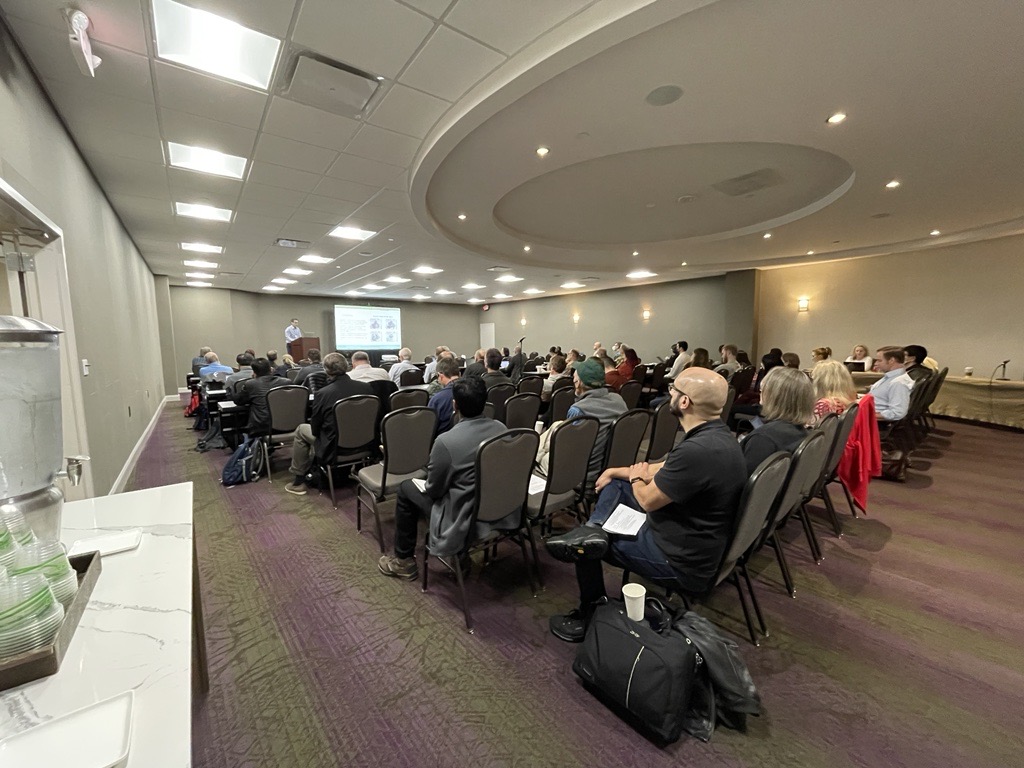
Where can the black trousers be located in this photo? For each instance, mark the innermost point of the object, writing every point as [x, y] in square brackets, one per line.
[412, 504]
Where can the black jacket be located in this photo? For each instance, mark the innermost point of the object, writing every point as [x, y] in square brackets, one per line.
[325, 428]
[515, 367]
[253, 392]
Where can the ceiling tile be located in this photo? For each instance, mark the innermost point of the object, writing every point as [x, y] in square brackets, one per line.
[184, 128]
[79, 108]
[271, 18]
[117, 22]
[308, 216]
[408, 111]
[435, 8]
[294, 154]
[308, 124]
[339, 209]
[391, 200]
[196, 93]
[118, 175]
[101, 138]
[340, 189]
[386, 146]
[450, 64]
[279, 176]
[505, 24]
[377, 36]
[364, 171]
[251, 223]
[303, 230]
[271, 201]
[190, 186]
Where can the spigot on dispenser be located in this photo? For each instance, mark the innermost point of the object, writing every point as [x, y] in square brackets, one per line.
[74, 470]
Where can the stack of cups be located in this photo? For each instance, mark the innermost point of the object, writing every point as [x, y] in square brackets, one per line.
[18, 526]
[30, 615]
[48, 559]
[8, 546]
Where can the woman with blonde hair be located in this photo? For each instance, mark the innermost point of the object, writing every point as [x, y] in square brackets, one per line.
[860, 355]
[833, 388]
[787, 405]
[287, 364]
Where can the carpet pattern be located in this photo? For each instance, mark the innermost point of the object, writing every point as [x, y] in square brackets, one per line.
[903, 648]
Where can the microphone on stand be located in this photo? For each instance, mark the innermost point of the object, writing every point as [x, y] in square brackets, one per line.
[1003, 377]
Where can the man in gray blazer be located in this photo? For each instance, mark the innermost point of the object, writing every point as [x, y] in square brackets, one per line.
[447, 500]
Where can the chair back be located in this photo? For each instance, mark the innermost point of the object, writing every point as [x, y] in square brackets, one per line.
[808, 459]
[730, 398]
[195, 369]
[410, 377]
[534, 384]
[846, 422]
[408, 398]
[521, 410]
[936, 382]
[219, 377]
[561, 400]
[624, 438]
[639, 373]
[316, 380]
[756, 504]
[497, 396]
[503, 467]
[741, 380]
[569, 454]
[630, 392]
[561, 382]
[829, 427]
[531, 365]
[287, 405]
[663, 434]
[407, 435]
[658, 377]
[356, 417]
[291, 373]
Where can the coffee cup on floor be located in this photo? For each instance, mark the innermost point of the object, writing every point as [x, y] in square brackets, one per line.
[635, 597]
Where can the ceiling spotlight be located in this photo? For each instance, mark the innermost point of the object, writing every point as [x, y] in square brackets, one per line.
[462, 217]
[425, 270]
[542, 151]
[202, 248]
[892, 184]
[502, 296]
[682, 264]
[199, 275]
[640, 274]
[394, 279]
[533, 291]
[636, 253]
[934, 232]
[273, 288]
[837, 118]
[420, 296]
[312, 258]
[297, 271]
[283, 281]
[810, 253]
[508, 279]
[352, 233]
[472, 286]
[354, 293]
[373, 287]
[475, 300]
[767, 235]
[526, 248]
[198, 284]
[200, 264]
[443, 292]
[572, 284]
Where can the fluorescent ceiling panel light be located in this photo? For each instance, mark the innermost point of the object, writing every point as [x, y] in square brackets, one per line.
[640, 274]
[443, 292]
[533, 291]
[199, 275]
[354, 293]
[202, 248]
[205, 160]
[372, 287]
[297, 271]
[207, 42]
[502, 296]
[508, 279]
[283, 281]
[572, 285]
[312, 258]
[396, 279]
[273, 288]
[199, 211]
[420, 296]
[472, 286]
[425, 270]
[198, 284]
[199, 263]
[352, 233]
[475, 300]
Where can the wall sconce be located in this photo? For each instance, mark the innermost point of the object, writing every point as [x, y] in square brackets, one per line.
[575, 318]
[646, 314]
[802, 305]
[522, 321]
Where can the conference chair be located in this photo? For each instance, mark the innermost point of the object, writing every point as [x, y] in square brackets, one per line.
[534, 384]
[742, 380]
[503, 468]
[936, 381]
[287, 405]
[624, 438]
[561, 400]
[315, 381]
[830, 475]
[630, 392]
[497, 396]
[730, 398]
[639, 373]
[408, 398]
[657, 385]
[663, 433]
[407, 435]
[569, 451]
[521, 411]
[291, 373]
[760, 495]
[410, 378]
[562, 382]
[356, 419]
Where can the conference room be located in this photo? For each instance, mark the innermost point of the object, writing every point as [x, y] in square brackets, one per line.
[476, 174]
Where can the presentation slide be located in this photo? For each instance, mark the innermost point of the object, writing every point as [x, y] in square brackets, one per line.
[367, 328]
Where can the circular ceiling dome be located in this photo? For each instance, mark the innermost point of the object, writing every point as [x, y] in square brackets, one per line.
[728, 188]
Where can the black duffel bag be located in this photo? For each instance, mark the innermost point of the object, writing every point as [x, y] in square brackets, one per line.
[650, 673]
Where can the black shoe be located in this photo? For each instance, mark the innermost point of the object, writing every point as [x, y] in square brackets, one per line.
[569, 627]
[582, 543]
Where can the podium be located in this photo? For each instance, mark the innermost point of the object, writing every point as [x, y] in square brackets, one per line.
[301, 347]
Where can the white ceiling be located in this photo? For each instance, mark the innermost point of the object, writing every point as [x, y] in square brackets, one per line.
[472, 87]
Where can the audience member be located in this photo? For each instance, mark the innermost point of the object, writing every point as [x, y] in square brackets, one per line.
[629, 361]
[251, 353]
[436, 386]
[213, 365]
[200, 360]
[363, 371]
[597, 346]
[892, 391]
[833, 388]
[244, 372]
[253, 392]
[272, 358]
[574, 356]
[494, 375]
[691, 500]
[730, 366]
[515, 365]
[820, 353]
[314, 366]
[430, 372]
[914, 356]
[551, 353]
[617, 354]
[593, 399]
[791, 360]
[860, 355]
[478, 367]
[787, 407]
[700, 359]
[684, 357]
[287, 364]
[448, 498]
[556, 371]
[613, 378]
[319, 438]
[404, 364]
[441, 402]
[744, 360]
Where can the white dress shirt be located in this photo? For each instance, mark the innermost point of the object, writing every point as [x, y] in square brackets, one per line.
[291, 333]
[367, 372]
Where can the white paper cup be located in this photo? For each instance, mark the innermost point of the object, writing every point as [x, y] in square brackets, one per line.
[539, 427]
[634, 595]
[968, 371]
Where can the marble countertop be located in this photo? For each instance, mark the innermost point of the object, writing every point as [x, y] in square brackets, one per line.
[136, 632]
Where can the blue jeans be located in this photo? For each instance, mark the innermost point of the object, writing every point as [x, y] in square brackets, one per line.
[640, 555]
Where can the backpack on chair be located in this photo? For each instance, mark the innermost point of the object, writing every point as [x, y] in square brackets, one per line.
[245, 464]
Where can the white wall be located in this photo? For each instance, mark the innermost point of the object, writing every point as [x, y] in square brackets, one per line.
[963, 303]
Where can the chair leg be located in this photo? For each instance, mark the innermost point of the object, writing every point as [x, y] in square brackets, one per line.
[330, 484]
[376, 520]
[746, 611]
[854, 506]
[536, 560]
[266, 459]
[830, 508]
[426, 564]
[787, 577]
[753, 599]
[812, 538]
[462, 591]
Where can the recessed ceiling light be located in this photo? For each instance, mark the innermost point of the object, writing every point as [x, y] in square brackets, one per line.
[200, 211]
[443, 292]
[420, 297]
[682, 264]
[837, 118]
[472, 286]
[297, 271]
[542, 151]
[934, 232]
[198, 284]
[502, 296]
[507, 279]
[425, 270]
[373, 287]
[205, 160]
[207, 42]
[640, 274]
[810, 253]
[892, 184]
[354, 293]
[352, 233]
[636, 253]
[533, 291]
[572, 285]
[395, 279]
[199, 275]
[767, 235]
[283, 281]
[462, 217]
[312, 258]
[202, 248]
[526, 248]
[475, 300]
[273, 288]
[200, 264]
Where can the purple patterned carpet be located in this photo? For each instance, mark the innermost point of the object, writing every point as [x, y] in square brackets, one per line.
[903, 648]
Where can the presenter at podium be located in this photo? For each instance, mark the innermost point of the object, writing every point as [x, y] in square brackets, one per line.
[291, 333]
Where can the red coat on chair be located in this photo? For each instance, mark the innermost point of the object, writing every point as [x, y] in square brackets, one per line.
[862, 458]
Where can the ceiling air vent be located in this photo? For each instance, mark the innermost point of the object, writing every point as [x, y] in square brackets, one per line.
[499, 269]
[749, 183]
[330, 85]
[284, 242]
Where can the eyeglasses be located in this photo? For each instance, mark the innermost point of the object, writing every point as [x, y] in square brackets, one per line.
[676, 389]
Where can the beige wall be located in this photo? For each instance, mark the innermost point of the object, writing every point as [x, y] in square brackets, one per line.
[231, 321]
[112, 293]
[961, 302]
